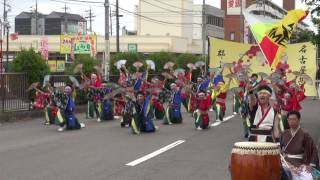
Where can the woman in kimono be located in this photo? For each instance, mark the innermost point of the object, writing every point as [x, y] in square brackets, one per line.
[94, 97]
[201, 114]
[299, 152]
[143, 116]
[220, 94]
[107, 106]
[158, 106]
[173, 111]
[66, 114]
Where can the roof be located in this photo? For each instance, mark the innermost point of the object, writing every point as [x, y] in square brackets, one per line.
[61, 15]
[28, 15]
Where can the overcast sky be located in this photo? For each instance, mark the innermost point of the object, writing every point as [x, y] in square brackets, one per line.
[46, 6]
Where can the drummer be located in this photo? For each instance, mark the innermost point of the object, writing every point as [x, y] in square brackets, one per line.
[264, 122]
[299, 150]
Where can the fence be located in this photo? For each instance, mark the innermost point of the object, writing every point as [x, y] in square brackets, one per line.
[13, 95]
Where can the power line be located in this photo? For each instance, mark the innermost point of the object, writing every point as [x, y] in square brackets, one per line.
[170, 5]
[164, 22]
[90, 17]
[83, 1]
[160, 7]
[76, 3]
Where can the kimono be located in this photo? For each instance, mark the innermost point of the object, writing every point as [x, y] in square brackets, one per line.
[201, 114]
[173, 111]
[291, 104]
[261, 124]
[107, 111]
[94, 97]
[66, 114]
[143, 118]
[298, 150]
[158, 108]
[238, 97]
[128, 113]
[221, 96]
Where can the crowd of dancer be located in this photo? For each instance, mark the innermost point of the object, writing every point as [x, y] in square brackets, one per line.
[267, 103]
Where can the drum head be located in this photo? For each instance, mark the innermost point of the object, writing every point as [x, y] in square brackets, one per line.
[257, 148]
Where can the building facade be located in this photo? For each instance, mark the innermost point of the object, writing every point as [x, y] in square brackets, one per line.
[55, 23]
[214, 22]
[180, 18]
[28, 23]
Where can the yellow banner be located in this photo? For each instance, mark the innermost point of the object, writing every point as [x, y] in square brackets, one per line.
[52, 65]
[80, 44]
[56, 65]
[301, 57]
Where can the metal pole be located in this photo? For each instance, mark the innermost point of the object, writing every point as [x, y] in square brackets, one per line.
[7, 53]
[36, 17]
[241, 22]
[111, 22]
[106, 59]
[4, 17]
[90, 19]
[117, 25]
[204, 34]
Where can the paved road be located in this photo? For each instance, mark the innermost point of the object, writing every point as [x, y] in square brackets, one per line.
[31, 151]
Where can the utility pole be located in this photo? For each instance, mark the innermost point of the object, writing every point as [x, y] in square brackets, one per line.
[241, 22]
[111, 22]
[36, 17]
[204, 34]
[106, 59]
[117, 24]
[65, 18]
[90, 17]
[4, 16]
[6, 30]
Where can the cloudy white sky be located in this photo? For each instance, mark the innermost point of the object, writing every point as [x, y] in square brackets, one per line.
[46, 6]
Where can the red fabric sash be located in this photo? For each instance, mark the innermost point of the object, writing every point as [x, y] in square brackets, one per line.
[264, 115]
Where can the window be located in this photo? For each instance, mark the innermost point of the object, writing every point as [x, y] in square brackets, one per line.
[232, 36]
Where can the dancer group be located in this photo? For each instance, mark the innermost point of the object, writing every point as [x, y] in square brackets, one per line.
[268, 104]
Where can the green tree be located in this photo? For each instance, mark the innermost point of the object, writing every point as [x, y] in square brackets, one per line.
[129, 56]
[314, 7]
[31, 63]
[161, 58]
[184, 59]
[88, 64]
[303, 36]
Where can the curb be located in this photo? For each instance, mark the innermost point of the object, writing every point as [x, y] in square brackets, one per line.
[28, 115]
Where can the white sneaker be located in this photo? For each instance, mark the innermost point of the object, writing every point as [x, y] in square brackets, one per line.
[211, 110]
[199, 128]
[127, 125]
[235, 113]
[156, 127]
[46, 123]
[82, 125]
[60, 129]
[98, 120]
[170, 123]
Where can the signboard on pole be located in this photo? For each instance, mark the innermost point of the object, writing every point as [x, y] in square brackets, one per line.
[133, 48]
[44, 47]
[234, 6]
[81, 44]
[56, 65]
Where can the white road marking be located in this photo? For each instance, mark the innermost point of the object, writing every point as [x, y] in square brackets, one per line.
[217, 123]
[155, 153]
